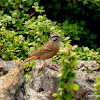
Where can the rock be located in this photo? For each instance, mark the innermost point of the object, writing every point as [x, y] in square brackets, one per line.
[11, 79]
[44, 79]
[86, 79]
[13, 86]
[86, 65]
[31, 94]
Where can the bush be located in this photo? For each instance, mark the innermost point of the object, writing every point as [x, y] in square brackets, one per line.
[84, 53]
[14, 13]
[80, 19]
[20, 32]
[16, 45]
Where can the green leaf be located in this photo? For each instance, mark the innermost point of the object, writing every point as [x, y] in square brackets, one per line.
[98, 79]
[77, 38]
[1, 12]
[74, 47]
[67, 61]
[59, 74]
[75, 87]
[54, 94]
[82, 22]
[93, 36]
[67, 96]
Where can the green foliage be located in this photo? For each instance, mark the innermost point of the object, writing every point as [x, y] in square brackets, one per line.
[98, 49]
[14, 13]
[97, 88]
[8, 44]
[40, 28]
[74, 31]
[80, 19]
[20, 44]
[67, 74]
[75, 6]
[37, 8]
[84, 53]
[20, 35]
[77, 32]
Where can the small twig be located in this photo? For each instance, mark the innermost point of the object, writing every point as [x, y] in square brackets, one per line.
[31, 14]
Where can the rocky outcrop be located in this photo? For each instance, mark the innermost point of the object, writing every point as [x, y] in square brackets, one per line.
[13, 86]
[85, 78]
[11, 80]
[44, 81]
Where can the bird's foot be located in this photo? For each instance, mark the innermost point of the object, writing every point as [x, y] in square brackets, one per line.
[53, 67]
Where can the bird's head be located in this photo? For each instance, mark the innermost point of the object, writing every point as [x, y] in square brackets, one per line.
[55, 37]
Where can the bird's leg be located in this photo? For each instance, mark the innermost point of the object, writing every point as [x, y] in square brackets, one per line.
[45, 63]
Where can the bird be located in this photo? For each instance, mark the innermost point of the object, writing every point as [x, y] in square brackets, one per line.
[48, 50]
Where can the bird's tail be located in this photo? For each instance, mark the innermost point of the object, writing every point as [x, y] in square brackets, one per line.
[33, 57]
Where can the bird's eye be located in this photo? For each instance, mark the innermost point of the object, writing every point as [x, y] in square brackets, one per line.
[54, 38]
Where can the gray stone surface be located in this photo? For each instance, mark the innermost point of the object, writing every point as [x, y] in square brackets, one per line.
[43, 81]
[13, 86]
[85, 78]
[11, 80]
[31, 94]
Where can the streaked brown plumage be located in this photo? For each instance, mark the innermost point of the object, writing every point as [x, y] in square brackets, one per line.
[48, 50]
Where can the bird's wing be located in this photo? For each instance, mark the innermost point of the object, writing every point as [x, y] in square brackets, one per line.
[48, 47]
